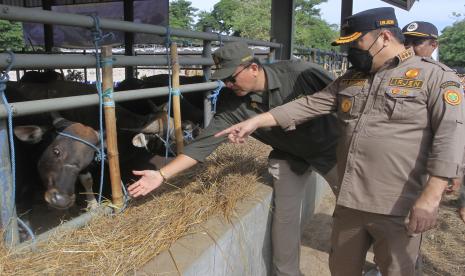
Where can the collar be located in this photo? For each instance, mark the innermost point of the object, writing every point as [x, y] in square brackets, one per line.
[272, 83]
[272, 80]
[398, 59]
[405, 55]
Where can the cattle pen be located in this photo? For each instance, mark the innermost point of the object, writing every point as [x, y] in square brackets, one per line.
[61, 61]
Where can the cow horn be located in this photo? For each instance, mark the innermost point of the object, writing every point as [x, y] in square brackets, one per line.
[140, 141]
[57, 118]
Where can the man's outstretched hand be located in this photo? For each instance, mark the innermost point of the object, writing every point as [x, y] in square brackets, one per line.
[238, 133]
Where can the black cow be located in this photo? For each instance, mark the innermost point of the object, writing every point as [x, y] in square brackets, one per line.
[191, 103]
[64, 158]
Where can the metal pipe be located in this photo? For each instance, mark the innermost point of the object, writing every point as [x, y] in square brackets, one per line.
[207, 104]
[48, 105]
[75, 223]
[128, 10]
[44, 61]
[58, 18]
[8, 220]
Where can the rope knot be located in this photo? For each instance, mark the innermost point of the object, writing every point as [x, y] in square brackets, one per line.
[215, 94]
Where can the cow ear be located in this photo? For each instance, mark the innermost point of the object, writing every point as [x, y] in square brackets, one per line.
[155, 109]
[140, 141]
[30, 134]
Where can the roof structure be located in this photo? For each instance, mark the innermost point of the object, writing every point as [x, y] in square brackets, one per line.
[38, 3]
[403, 4]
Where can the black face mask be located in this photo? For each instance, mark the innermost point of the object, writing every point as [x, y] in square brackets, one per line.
[362, 60]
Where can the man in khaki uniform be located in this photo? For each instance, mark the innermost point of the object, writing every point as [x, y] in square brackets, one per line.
[257, 89]
[422, 37]
[401, 118]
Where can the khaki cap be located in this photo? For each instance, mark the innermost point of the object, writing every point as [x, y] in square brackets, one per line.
[229, 57]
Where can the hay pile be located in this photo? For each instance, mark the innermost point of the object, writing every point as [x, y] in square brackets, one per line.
[118, 244]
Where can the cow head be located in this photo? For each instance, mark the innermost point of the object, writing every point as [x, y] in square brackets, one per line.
[62, 160]
[152, 141]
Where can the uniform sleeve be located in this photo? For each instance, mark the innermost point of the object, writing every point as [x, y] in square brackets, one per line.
[446, 109]
[306, 108]
[228, 113]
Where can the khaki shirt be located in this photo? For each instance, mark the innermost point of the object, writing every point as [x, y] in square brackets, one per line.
[310, 144]
[398, 125]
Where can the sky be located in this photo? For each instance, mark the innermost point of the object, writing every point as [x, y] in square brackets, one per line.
[437, 12]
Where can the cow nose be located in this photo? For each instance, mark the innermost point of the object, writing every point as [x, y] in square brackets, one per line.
[59, 200]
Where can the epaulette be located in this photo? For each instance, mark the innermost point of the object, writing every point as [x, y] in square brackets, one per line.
[443, 66]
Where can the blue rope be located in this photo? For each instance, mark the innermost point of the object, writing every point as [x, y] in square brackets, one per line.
[215, 94]
[98, 157]
[188, 136]
[4, 78]
[97, 37]
[170, 95]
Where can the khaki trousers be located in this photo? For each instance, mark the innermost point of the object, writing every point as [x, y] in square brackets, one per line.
[289, 191]
[355, 231]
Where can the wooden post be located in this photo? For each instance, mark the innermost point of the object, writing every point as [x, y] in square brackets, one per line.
[176, 99]
[110, 127]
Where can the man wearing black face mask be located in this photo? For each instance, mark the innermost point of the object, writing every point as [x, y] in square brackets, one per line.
[402, 126]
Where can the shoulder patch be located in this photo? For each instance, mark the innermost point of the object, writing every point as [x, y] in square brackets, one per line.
[353, 82]
[452, 97]
[449, 84]
[443, 66]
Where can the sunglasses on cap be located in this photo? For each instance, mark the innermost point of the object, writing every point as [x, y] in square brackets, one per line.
[232, 78]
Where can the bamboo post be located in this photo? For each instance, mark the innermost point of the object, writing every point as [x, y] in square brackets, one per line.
[110, 127]
[176, 99]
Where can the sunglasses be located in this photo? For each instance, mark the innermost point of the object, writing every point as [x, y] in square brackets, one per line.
[232, 78]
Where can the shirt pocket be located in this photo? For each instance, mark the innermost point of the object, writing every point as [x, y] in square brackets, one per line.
[403, 105]
[350, 104]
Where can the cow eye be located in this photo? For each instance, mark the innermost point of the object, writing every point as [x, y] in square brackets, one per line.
[56, 152]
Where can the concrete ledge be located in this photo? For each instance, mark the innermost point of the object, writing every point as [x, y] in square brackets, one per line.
[240, 247]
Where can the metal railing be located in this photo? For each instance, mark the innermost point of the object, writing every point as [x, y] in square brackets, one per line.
[44, 61]
[334, 62]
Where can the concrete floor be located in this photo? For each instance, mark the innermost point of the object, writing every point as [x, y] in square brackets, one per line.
[316, 240]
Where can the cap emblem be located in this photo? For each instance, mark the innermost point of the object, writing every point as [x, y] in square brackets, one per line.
[412, 26]
[247, 58]
[387, 22]
[346, 104]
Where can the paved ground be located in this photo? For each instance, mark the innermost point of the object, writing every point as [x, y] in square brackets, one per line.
[315, 240]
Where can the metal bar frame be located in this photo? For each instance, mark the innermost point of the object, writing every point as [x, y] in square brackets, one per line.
[75, 20]
[40, 61]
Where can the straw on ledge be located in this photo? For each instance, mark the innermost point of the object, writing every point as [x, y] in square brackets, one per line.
[117, 244]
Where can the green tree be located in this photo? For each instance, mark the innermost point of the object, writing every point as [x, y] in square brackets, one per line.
[220, 19]
[310, 29]
[181, 14]
[251, 18]
[11, 35]
[452, 44]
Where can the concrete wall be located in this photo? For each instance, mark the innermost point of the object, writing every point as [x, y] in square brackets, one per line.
[242, 247]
